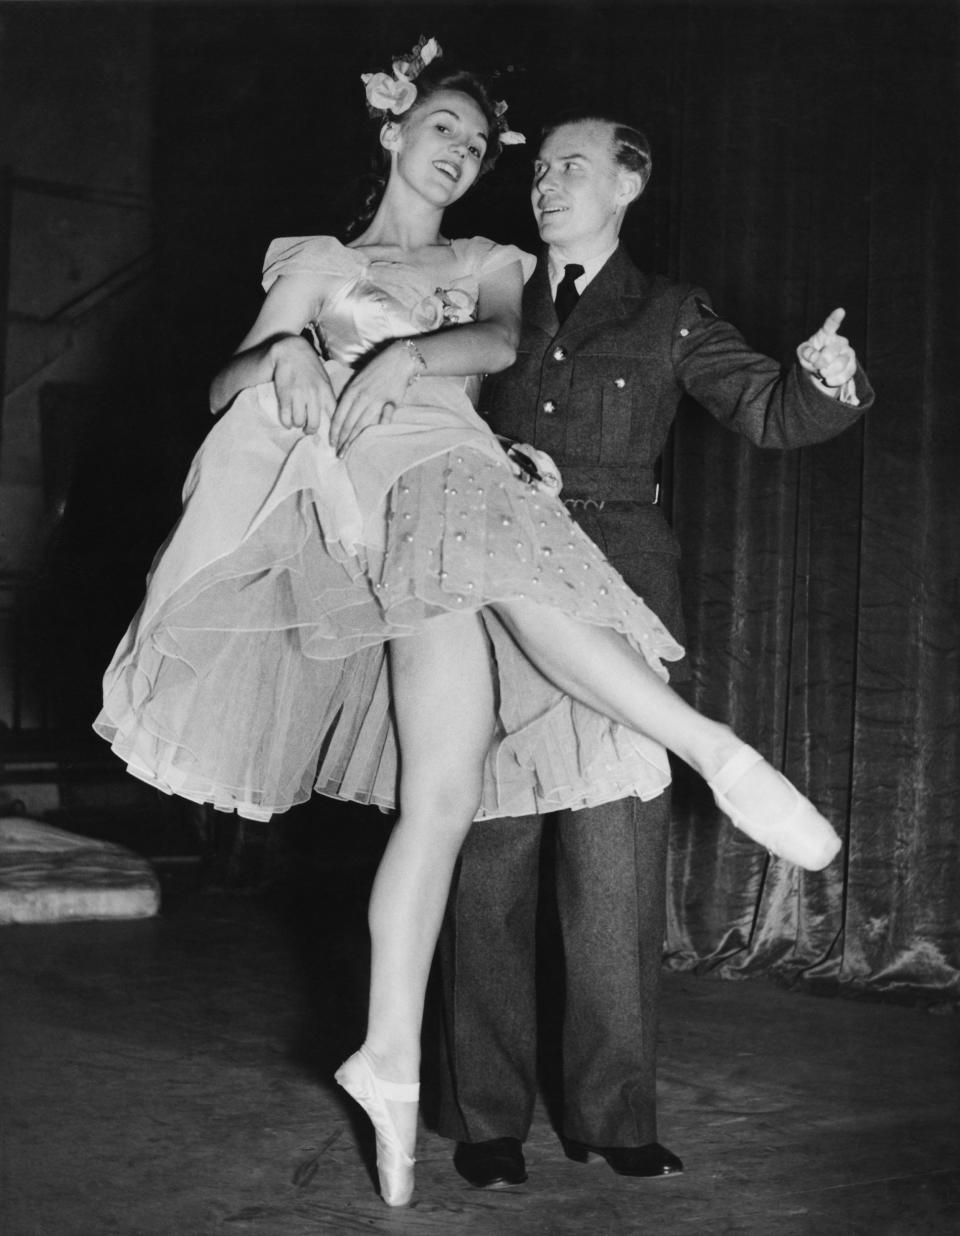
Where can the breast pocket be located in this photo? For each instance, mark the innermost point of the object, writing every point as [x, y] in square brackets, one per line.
[616, 403]
[599, 416]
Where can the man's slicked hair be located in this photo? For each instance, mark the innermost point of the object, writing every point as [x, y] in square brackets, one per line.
[631, 147]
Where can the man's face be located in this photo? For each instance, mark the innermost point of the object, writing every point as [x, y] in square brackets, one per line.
[577, 192]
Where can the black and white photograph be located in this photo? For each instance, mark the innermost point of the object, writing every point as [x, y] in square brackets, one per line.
[480, 617]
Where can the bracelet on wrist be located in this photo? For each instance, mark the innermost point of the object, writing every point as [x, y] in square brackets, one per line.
[419, 362]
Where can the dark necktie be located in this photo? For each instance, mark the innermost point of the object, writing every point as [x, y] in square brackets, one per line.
[567, 294]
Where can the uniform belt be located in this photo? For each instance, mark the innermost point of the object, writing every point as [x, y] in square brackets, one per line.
[598, 484]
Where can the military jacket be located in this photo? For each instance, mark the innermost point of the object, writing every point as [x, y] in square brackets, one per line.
[600, 392]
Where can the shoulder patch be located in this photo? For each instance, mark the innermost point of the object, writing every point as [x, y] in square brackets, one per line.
[706, 311]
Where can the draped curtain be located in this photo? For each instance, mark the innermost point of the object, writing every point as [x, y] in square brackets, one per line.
[820, 158]
[806, 156]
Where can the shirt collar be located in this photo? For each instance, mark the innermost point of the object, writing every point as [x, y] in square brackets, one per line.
[590, 269]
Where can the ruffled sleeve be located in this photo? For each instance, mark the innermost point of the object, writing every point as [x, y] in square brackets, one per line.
[308, 255]
[483, 257]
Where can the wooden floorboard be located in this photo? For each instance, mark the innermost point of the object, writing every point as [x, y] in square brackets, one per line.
[171, 1078]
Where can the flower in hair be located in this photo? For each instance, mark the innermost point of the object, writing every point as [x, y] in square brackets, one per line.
[426, 51]
[388, 94]
[396, 94]
[507, 136]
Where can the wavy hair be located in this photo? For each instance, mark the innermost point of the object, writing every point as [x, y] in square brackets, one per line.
[434, 78]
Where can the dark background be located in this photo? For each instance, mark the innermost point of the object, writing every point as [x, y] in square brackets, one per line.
[805, 156]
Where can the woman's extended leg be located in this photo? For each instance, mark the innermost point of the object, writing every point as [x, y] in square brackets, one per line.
[598, 666]
[443, 695]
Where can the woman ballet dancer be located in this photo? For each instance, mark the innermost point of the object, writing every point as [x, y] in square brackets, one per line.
[365, 596]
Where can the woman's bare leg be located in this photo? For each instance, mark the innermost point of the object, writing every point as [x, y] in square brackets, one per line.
[442, 685]
[598, 666]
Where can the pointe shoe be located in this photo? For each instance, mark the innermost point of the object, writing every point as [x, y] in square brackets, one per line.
[394, 1165]
[800, 835]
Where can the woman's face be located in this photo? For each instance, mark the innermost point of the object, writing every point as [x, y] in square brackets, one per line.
[440, 146]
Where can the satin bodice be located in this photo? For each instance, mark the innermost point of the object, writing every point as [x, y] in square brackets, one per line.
[367, 296]
[385, 299]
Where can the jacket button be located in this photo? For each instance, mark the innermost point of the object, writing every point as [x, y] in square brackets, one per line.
[549, 407]
[559, 353]
[619, 383]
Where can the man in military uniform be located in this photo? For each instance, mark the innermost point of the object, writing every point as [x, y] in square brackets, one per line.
[605, 355]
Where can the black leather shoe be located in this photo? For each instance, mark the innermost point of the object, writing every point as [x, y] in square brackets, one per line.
[649, 1160]
[491, 1164]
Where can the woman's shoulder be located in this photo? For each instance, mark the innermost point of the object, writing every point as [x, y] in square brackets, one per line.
[482, 256]
[308, 255]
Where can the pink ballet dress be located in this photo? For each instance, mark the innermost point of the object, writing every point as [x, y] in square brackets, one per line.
[255, 670]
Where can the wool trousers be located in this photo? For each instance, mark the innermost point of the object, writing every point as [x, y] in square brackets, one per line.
[608, 868]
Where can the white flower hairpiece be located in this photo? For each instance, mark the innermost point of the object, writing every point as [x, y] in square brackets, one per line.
[507, 136]
[397, 94]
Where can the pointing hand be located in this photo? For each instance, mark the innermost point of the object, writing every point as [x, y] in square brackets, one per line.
[827, 355]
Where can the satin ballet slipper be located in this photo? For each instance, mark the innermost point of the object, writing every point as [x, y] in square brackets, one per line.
[394, 1165]
[799, 834]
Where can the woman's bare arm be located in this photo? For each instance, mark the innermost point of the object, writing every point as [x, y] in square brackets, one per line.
[274, 351]
[485, 346]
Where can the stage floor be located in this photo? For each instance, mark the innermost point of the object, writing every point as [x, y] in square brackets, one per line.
[172, 1076]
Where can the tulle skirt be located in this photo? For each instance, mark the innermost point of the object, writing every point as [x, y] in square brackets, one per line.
[256, 669]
